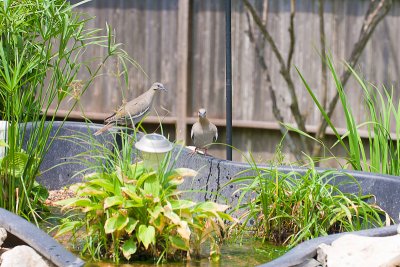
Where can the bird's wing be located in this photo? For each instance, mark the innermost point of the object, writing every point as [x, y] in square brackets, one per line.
[215, 130]
[192, 132]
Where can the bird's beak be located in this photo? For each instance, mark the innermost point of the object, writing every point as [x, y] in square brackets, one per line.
[164, 89]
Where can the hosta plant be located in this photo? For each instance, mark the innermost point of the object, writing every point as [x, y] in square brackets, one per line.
[139, 214]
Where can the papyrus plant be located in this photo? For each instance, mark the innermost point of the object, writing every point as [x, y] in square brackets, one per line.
[42, 51]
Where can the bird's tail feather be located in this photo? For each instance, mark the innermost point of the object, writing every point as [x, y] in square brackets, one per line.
[102, 130]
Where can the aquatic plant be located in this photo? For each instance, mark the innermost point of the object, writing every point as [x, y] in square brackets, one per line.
[290, 207]
[42, 46]
[135, 213]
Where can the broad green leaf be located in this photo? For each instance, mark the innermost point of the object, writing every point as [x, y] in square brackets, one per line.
[103, 183]
[155, 212]
[113, 201]
[68, 227]
[129, 190]
[129, 248]
[152, 186]
[92, 191]
[178, 243]
[175, 219]
[96, 207]
[184, 230]
[176, 176]
[116, 222]
[182, 204]
[226, 216]
[147, 235]
[131, 204]
[137, 169]
[14, 164]
[144, 177]
[131, 225]
[74, 202]
[210, 206]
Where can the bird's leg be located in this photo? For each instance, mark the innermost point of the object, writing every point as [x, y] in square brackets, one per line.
[193, 151]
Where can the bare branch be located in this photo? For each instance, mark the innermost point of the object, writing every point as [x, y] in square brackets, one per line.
[285, 72]
[324, 73]
[275, 109]
[291, 33]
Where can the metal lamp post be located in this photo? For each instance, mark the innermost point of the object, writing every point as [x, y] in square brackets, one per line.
[228, 67]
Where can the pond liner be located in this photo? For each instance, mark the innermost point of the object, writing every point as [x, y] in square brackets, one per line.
[22, 232]
[214, 173]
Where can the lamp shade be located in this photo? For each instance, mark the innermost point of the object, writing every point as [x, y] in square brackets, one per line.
[153, 148]
[153, 143]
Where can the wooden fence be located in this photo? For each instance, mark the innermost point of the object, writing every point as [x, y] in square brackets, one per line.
[181, 43]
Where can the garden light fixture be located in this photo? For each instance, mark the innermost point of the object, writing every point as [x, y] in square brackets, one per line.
[153, 148]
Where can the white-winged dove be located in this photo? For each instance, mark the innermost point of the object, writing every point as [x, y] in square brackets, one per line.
[134, 110]
[203, 132]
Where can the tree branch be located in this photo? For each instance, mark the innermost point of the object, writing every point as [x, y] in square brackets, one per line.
[324, 72]
[291, 33]
[285, 72]
[275, 110]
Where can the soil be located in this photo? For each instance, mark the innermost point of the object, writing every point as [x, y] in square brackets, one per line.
[57, 195]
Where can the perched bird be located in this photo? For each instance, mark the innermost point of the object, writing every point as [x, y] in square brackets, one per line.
[203, 132]
[133, 111]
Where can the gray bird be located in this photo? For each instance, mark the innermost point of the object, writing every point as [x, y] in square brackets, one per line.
[203, 132]
[134, 110]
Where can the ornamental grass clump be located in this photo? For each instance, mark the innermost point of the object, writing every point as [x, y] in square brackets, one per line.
[290, 207]
[382, 124]
[133, 213]
[43, 48]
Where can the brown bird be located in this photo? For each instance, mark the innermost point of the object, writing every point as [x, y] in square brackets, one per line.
[133, 111]
[203, 132]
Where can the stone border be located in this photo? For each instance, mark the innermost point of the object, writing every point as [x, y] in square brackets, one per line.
[32, 236]
[308, 249]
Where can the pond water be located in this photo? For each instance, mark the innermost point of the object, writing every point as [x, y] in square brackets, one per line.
[248, 253]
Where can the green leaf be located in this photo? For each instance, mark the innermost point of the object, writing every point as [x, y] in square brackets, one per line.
[144, 177]
[182, 204]
[3, 144]
[113, 201]
[74, 202]
[152, 186]
[68, 227]
[129, 248]
[129, 190]
[14, 163]
[178, 243]
[103, 183]
[175, 219]
[147, 235]
[127, 204]
[131, 225]
[210, 207]
[176, 176]
[116, 222]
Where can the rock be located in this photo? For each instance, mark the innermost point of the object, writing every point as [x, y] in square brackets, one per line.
[22, 256]
[3, 235]
[352, 250]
